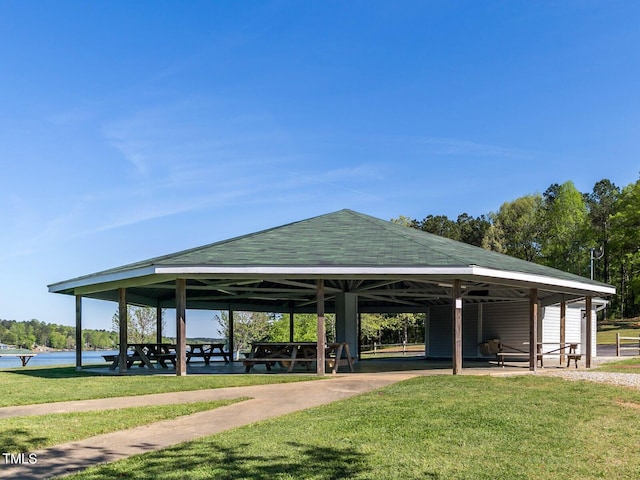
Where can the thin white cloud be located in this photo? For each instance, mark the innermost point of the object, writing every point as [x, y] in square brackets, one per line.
[454, 146]
[340, 178]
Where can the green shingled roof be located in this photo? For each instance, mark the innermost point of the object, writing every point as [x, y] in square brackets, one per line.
[345, 239]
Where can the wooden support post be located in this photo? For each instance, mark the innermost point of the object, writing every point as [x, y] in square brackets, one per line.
[158, 323]
[359, 336]
[457, 327]
[321, 333]
[181, 327]
[589, 332]
[563, 330]
[231, 340]
[533, 329]
[123, 321]
[617, 344]
[79, 341]
[291, 322]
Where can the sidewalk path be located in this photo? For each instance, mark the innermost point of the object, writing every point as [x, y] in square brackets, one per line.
[267, 401]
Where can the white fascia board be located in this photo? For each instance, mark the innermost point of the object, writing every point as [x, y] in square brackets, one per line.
[316, 271]
[544, 280]
[97, 279]
[459, 272]
[466, 272]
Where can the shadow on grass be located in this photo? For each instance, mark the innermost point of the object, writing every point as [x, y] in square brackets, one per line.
[17, 440]
[234, 462]
[53, 372]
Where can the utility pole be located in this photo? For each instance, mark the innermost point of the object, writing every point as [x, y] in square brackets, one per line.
[593, 256]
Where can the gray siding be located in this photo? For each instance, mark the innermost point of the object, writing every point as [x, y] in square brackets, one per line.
[441, 331]
[440, 334]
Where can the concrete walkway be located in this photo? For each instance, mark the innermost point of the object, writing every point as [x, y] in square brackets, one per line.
[267, 401]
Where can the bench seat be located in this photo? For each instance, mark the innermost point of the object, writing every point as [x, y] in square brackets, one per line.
[206, 356]
[540, 356]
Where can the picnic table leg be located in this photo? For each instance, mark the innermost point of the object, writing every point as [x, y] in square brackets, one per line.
[294, 353]
[143, 358]
[337, 359]
[349, 357]
[224, 354]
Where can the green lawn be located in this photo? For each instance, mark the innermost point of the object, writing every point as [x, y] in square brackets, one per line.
[438, 427]
[25, 434]
[626, 328]
[629, 365]
[25, 386]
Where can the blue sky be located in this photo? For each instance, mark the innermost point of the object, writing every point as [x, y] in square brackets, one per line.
[134, 129]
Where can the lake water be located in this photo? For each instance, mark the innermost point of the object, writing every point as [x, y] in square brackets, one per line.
[57, 358]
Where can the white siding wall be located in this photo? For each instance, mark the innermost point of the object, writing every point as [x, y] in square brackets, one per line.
[507, 321]
[551, 325]
[575, 327]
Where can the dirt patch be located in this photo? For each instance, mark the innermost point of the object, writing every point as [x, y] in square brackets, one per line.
[628, 404]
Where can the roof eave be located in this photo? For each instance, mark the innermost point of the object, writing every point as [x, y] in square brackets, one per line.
[156, 273]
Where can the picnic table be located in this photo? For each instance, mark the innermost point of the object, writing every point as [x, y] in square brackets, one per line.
[145, 354]
[287, 354]
[24, 357]
[567, 349]
[206, 351]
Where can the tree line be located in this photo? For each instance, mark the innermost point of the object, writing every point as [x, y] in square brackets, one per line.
[562, 228]
[34, 333]
[274, 327]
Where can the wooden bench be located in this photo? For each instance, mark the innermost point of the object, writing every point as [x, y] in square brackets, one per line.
[573, 356]
[566, 350]
[501, 356]
[162, 358]
[113, 359]
[268, 354]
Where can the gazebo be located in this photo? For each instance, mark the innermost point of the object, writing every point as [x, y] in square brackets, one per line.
[343, 262]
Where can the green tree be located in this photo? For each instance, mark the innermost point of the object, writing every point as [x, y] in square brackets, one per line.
[516, 228]
[305, 328]
[601, 203]
[100, 339]
[141, 324]
[406, 221]
[247, 327]
[57, 340]
[440, 225]
[565, 239]
[625, 243]
[472, 230]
